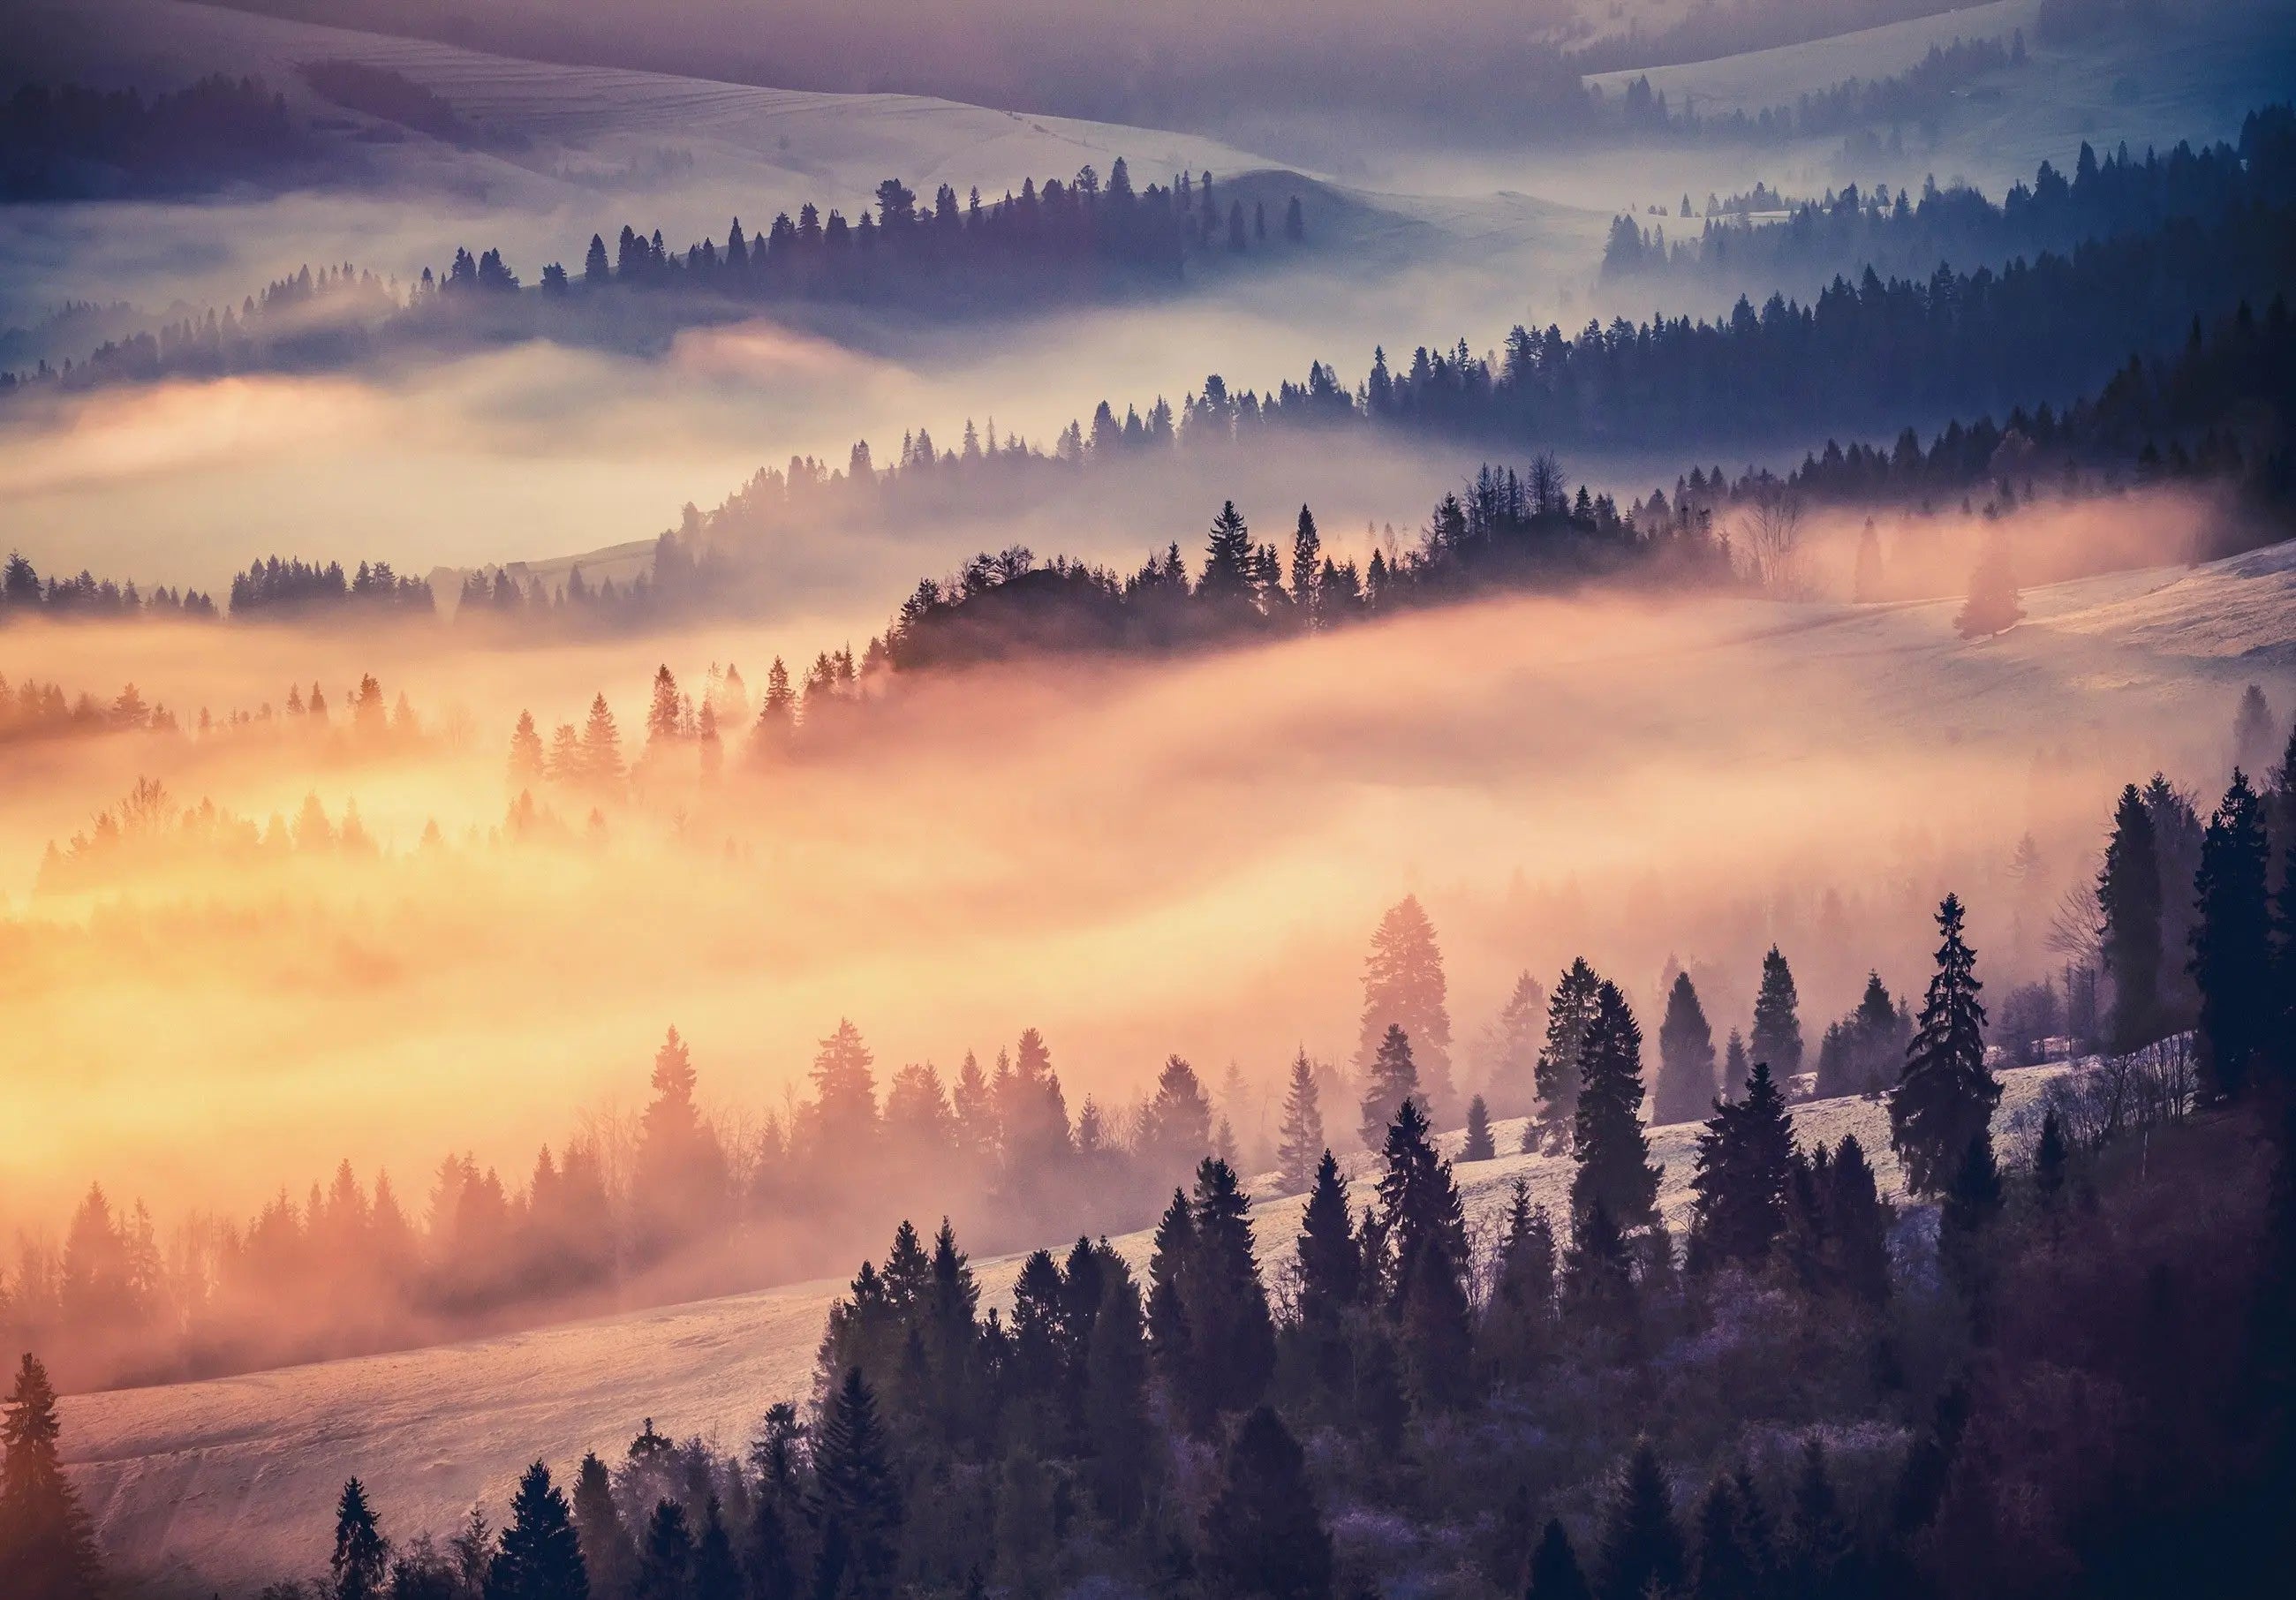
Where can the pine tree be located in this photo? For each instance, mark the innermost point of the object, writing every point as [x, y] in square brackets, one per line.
[1736, 1065]
[1641, 1545]
[1514, 1051]
[1228, 562]
[1570, 1012]
[1555, 1571]
[1478, 1146]
[1428, 1226]
[664, 719]
[1404, 986]
[1685, 1058]
[1740, 1182]
[1331, 1263]
[1824, 1565]
[608, 1552]
[666, 1555]
[1598, 1282]
[1946, 1095]
[1858, 1224]
[857, 1500]
[1392, 1080]
[1301, 1139]
[360, 1567]
[602, 747]
[1607, 1139]
[527, 766]
[1992, 607]
[46, 1545]
[1263, 1535]
[1725, 1568]
[1306, 566]
[2232, 943]
[1518, 1318]
[2129, 894]
[1169, 1265]
[1777, 1022]
[1117, 1424]
[541, 1557]
[1231, 1334]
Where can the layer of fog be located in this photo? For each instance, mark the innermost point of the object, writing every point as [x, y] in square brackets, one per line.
[1186, 856]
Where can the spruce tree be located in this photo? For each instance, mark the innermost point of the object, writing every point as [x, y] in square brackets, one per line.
[1685, 1058]
[1777, 1037]
[1607, 1138]
[1641, 1549]
[1740, 1181]
[1169, 1266]
[541, 1557]
[2232, 943]
[1306, 566]
[46, 1544]
[1514, 1050]
[1520, 1315]
[1858, 1224]
[1331, 1264]
[608, 1555]
[665, 1554]
[1428, 1226]
[1392, 1080]
[1569, 1013]
[1992, 604]
[717, 1572]
[360, 1567]
[1598, 1281]
[1555, 1571]
[1724, 1568]
[2129, 894]
[1404, 986]
[1231, 1331]
[1946, 1095]
[1477, 1146]
[1737, 1065]
[857, 1500]
[1263, 1536]
[1824, 1563]
[1117, 1426]
[1227, 583]
[1301, 1141]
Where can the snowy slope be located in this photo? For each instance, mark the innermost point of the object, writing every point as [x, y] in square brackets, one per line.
[237, 1477]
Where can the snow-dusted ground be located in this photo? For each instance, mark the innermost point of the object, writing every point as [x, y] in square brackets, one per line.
[237, 1478]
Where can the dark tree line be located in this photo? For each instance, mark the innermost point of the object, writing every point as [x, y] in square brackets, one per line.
[272, 588]
[1919, 94]
[1906, 235]
[1081, 241]
[1813, 1399]
[71, 142]
[24, 593]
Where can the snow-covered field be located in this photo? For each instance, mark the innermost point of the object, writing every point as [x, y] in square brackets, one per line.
[237, 1478]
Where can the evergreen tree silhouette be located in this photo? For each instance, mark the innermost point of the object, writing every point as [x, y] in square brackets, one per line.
[525, 759]
[1232, 1336]
[1555, 1571]
[1641, 1550]
[1478, 1146]
[1992, 607]
[1404, 986]
[1607, 1139]
[2129, 894]
[665, 1554]
[1824, 1559]
[1392, 1080]
[1518, 1318]
[1301, 1142]
[1263, 1535]
[360, 1567]
[541, 1557]
[1330, 1262]
[1428, 1227]
[2232, 943]
[1946, 1095]
[1306, 569]
[716, 1571]
[1686, 1057]
[46, 1544]
[1740, 1182]
[1229, 583]
[602, 747]
[1777, 1037]
[1569, 1013]
[609, 1554]
[1116, 1399]
[1972, 1200]
[1724, 1568]
[857, 1500]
